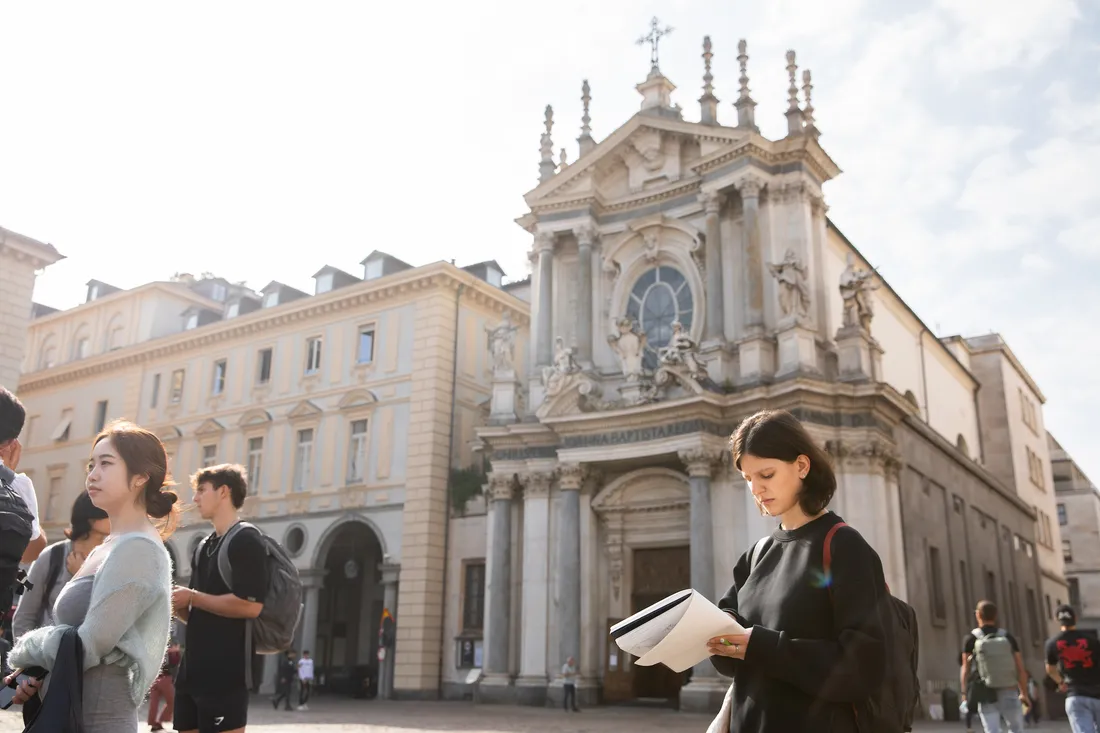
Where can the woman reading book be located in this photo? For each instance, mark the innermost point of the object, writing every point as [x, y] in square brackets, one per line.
[813, 650]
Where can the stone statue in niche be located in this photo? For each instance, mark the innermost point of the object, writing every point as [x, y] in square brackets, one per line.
[553, 376]
[628, 342]
[502, 344]
[682, 352]
[855, 291]
[794, 296]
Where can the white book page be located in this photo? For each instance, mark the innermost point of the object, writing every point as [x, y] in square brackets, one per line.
[678, 638]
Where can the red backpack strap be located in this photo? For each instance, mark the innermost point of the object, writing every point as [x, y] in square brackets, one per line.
[827, 561]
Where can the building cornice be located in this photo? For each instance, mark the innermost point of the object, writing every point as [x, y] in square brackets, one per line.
[23, 247]
[424, 279]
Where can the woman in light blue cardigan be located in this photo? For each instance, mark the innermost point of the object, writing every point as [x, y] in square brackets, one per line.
[120, 599]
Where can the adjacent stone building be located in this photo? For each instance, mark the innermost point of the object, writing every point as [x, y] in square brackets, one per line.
[1078, 511]
[21, 259]
[352, 407]
[685, 276]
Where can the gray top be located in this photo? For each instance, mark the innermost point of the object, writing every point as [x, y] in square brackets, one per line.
[73, 601]
[35, 609]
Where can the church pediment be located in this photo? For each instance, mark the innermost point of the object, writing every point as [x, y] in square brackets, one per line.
[254, 417]
[357, 398]
[304, 409]
[646, 154]
[210, 427]
[169, 434]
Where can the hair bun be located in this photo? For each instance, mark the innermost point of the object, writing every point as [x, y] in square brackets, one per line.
[159, 503]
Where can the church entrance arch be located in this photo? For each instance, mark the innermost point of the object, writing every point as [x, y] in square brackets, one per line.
[349, 609]
[645, 536]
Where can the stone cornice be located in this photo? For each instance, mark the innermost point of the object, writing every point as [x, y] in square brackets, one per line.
[23, 248]
[420, 280]
[178, 290]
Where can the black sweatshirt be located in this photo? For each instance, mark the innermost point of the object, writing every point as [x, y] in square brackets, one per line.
[814, 657]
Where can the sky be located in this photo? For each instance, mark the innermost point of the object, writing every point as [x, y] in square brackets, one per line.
[263, 140]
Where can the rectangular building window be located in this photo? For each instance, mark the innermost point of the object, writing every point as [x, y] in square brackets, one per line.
[939, 599]
[156, 391]
[1033, 616]
[1062, 519]
[62, 432]
[473, 597]
[964, 592]
[217, 385]
[53, 501]
[1074, 593]
[1067, 551]
[313, 355]
[100, 415]
[209, 455]
[1050, 609]
[175, 393]
[357, 452]
[303, 460]
[990, 587]
[255, 463]
[365, 353]
[263, 366]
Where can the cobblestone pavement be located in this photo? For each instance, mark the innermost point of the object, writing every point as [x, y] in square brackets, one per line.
[351, 716]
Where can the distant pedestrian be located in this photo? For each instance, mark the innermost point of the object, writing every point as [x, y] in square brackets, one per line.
[284, 682]
[569, 686]
[1003, 688]
[305, 680]
[1073, 662]
[164, 690]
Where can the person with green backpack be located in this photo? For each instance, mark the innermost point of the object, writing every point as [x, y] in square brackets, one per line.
[1001, 684]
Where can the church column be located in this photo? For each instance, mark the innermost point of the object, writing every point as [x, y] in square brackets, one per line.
[569, 564]
[705, 690]
[754, 257]
[500, 577]
[585, 236]
[544, 246]
[531, 684]
[390, 574]
[712, 202]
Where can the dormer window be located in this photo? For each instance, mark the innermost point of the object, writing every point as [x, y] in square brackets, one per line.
[373, 269]
[271, 299]
[218, 292]
[233, 310]
[493, 277]
[324, 283]
[93, 293]
[192, 321]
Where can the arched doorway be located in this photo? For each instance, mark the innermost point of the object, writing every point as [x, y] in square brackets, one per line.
[349, 611]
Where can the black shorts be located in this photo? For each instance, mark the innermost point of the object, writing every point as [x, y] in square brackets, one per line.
[211, 713]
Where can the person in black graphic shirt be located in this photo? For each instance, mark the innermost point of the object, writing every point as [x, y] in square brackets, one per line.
[211, 694]
[814, 647]
[1073, 662]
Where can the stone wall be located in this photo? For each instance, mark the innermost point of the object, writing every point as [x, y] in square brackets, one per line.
[16, 287]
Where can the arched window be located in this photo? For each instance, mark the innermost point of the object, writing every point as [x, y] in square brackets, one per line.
[47, 355]
[659, 298]
[115, 334]
[82, 344]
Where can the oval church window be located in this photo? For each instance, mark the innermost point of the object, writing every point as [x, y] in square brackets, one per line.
[659, 298]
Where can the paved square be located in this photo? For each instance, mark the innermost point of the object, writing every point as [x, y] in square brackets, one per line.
[369, 716]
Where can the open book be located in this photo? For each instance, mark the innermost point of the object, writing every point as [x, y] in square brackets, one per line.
[674, 632]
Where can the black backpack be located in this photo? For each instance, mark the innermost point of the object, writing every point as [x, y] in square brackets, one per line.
[892, 706]
[16, 521]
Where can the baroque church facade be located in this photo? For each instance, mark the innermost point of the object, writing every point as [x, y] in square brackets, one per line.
[685, 276]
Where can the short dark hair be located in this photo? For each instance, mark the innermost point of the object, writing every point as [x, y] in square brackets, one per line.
[1066, 615]
[987, 611]
[231, 475]
[84, 512]
[779, 435]
[12, 416]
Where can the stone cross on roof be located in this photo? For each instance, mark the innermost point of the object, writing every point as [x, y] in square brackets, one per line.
[656, 33]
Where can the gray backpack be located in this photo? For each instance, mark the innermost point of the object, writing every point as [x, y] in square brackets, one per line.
[273, 630]
[995, 658]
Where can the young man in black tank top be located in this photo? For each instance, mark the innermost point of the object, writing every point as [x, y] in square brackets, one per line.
[211, 692]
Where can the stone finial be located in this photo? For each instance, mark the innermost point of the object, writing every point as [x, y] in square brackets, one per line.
[546, 164]
[808, 109]
[585, 141]
[746, 108]
[708, 103]
[563, 159]
[794, 114]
